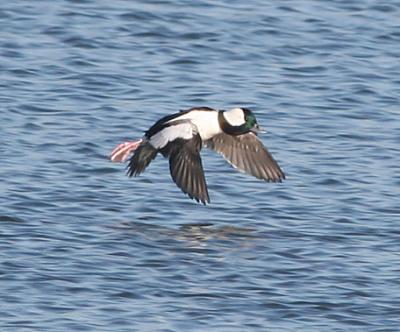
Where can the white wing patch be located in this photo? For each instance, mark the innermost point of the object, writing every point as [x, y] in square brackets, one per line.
[185, 130]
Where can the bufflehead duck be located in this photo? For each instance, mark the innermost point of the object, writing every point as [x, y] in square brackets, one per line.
[181, 136]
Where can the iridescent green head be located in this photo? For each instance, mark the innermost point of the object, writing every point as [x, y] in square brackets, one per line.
[238, 121]
[249, 118]
[251, 121]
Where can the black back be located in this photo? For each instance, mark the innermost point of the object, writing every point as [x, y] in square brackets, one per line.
[162, 123]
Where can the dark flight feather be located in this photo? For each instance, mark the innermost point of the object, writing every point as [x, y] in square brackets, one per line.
[142, 157]
[248, 154]
[186, 167]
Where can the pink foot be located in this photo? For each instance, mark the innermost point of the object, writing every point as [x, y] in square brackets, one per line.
[122, 151]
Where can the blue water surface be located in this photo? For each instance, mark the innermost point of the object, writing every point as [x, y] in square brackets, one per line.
[85, 248]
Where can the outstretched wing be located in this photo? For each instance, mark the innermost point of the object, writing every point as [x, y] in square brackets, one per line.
[186, 167]
[248, 154]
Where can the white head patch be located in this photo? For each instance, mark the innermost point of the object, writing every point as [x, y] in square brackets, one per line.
[235, 116]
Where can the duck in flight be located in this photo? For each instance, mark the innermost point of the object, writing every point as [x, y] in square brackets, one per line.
[181, 136]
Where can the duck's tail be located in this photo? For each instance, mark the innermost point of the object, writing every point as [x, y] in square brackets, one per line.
[143, 156]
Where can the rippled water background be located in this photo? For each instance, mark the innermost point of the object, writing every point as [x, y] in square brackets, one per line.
[84, 248]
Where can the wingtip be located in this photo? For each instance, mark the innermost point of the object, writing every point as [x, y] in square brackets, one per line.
[206, 201]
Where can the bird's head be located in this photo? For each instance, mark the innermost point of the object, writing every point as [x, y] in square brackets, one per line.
[241, 121]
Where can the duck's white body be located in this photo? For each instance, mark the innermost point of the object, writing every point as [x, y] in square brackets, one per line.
[202, 122]
[206, 122]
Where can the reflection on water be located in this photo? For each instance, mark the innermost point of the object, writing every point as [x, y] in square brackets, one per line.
[203, 232]
[194, 235]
